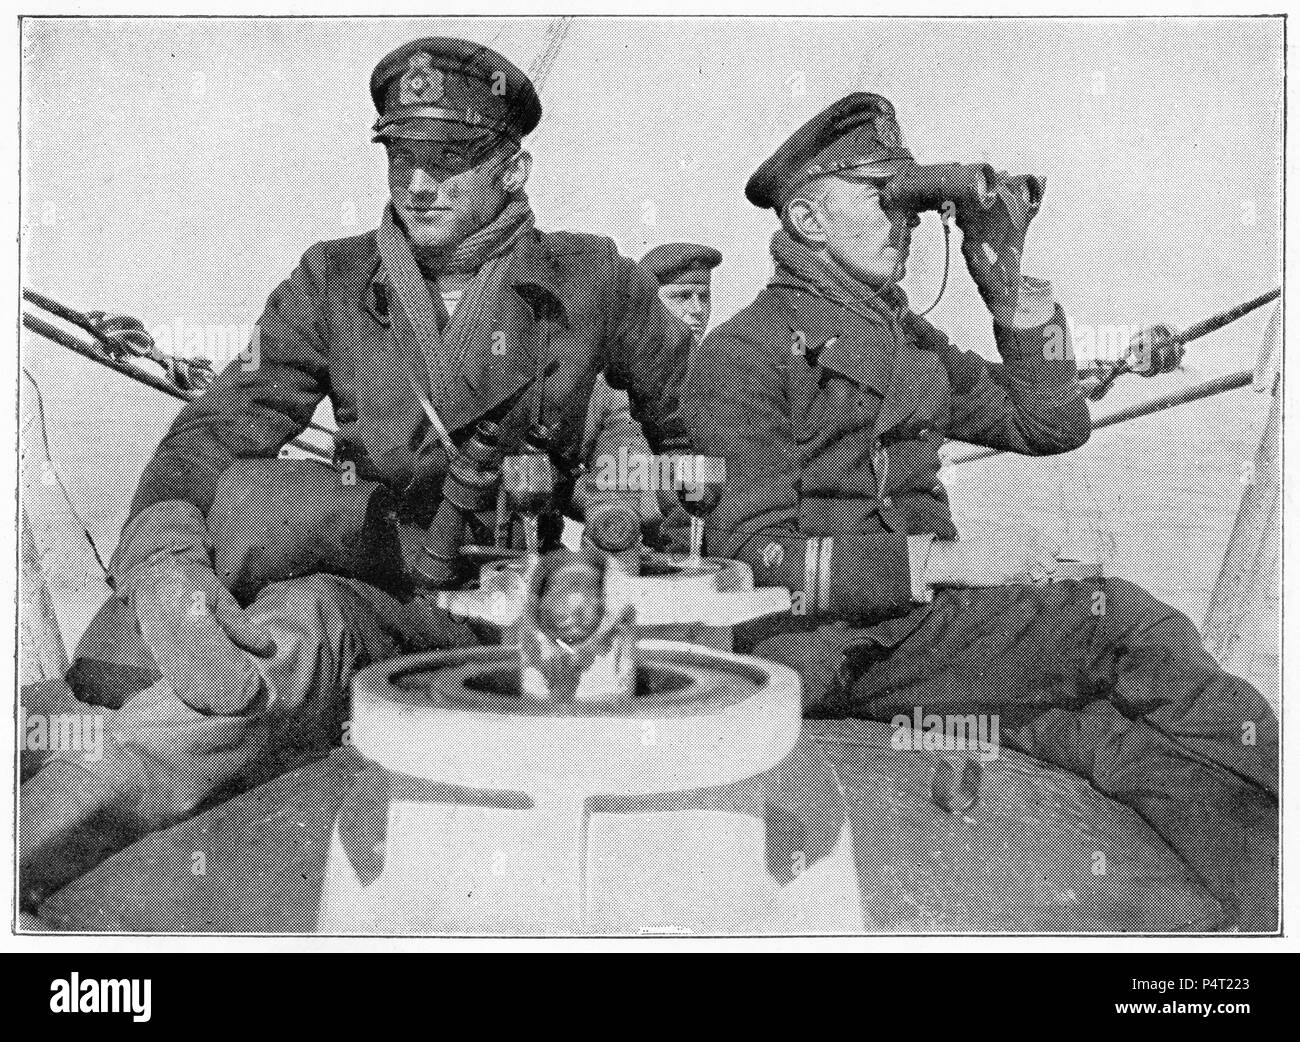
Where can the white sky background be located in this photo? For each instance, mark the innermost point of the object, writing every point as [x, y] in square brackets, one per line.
[178, 169]
[141, 196]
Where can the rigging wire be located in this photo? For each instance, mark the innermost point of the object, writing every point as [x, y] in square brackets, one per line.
[556, 34]
[53, 471]
[540, 69]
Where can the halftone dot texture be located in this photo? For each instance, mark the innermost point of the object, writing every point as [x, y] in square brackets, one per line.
[1131, 703]
[1024, 859]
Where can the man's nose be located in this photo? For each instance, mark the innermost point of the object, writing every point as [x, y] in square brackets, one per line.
[422, 182]
[694, 306]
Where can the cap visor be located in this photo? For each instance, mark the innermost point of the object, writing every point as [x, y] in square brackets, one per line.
[875, 171]
[429, 129]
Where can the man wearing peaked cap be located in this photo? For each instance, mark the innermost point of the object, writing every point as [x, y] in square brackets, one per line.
[830, 399]
[458, 310]
[857, 136]
[441, 89]
[685, 274]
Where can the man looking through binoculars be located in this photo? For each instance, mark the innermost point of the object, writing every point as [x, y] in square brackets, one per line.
[829, 400]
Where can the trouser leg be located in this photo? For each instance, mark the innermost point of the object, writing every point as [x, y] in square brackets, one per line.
[1224, 828]
[1104, 680]
[162, 760]
[1190, 747]
[1156, 668]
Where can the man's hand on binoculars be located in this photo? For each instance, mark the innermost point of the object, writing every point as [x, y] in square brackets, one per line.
[993, 241]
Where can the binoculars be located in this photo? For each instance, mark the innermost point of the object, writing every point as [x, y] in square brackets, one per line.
[469, 486]
[965, 185]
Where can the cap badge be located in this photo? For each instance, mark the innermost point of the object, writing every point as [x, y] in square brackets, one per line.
[422, 84]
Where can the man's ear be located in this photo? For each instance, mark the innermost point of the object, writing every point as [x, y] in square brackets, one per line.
[801, 217]
[515, 173]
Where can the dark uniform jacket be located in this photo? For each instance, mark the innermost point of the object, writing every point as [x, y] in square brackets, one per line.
[830, 421]
[573, 308]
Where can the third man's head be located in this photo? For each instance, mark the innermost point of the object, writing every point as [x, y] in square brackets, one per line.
[685, 274]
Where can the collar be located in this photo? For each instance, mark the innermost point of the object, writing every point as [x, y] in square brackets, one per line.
[531, 269]
[887, 306]
[535, 275]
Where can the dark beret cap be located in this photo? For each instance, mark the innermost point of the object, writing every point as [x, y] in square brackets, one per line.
[856, 132]
[677, 261]
[438, 87]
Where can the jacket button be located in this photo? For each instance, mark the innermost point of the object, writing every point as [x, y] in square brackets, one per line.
[887, 501]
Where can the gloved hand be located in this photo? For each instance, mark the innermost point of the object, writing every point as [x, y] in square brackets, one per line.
[202, 641]
[993, 242]
[1151, 352]
[429, 468]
